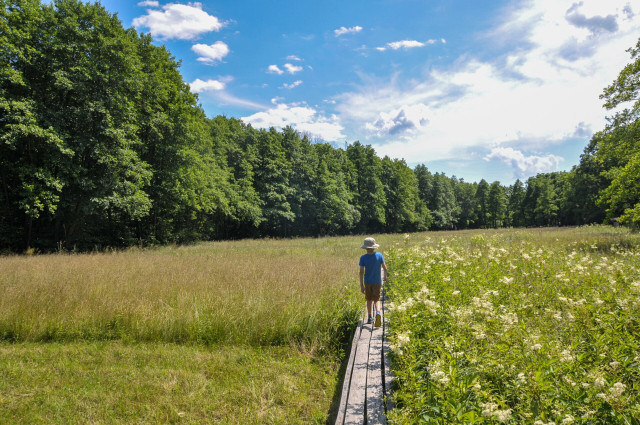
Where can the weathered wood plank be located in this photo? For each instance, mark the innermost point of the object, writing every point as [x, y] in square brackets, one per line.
[347, 376]
[388, 377]
[375, 407]
[357, 392]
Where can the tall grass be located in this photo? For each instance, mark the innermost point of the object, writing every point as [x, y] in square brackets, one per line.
[263, 292]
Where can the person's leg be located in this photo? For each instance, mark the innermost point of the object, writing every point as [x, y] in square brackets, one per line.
[369, 307]
[378, 306]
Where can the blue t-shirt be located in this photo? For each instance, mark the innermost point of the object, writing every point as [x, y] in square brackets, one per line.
[372, 264]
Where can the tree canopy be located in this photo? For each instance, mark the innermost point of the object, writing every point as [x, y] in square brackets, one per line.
[103, 144]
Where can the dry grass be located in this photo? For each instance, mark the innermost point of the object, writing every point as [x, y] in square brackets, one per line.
[263, 292]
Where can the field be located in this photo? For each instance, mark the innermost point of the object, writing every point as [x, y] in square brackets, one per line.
[536, 326]
[226, 332]
[517, 326]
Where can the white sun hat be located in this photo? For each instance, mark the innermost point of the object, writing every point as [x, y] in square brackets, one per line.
[369, 243]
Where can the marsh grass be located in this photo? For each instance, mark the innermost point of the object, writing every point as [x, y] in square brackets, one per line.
[262, 292]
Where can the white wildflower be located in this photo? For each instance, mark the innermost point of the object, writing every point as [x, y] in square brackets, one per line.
[506, 280]
[502, 415]
[566, 356]
[617, 389]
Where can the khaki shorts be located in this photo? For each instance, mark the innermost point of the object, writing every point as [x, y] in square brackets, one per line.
[372, 291]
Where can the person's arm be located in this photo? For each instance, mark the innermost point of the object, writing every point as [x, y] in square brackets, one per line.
[386, 272]
[362, 279]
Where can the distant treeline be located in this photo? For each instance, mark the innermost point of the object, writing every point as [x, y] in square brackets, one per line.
[103, 144]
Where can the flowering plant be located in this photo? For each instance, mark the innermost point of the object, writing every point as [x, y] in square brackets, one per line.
[517, 326]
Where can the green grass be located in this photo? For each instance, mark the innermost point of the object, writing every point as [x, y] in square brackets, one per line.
[116, 383]
[244, 332]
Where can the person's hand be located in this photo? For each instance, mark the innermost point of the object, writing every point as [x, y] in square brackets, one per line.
[386, 276]
[362, 288]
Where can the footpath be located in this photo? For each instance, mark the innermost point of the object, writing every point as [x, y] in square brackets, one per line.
[367, 382]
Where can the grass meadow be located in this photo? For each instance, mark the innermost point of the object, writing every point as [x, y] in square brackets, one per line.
[534, 326]
[537, 327]
[244, 332]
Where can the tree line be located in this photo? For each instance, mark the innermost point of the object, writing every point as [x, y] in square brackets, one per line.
[102, 144]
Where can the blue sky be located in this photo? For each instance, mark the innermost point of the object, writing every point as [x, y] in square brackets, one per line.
[494, 89]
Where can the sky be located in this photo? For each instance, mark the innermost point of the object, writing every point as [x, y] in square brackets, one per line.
[493, 89]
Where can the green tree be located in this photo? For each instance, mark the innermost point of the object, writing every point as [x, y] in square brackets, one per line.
[442, 203]
[405, 210]
[335, 212]
[271, 181]
[496, 205]
[465, 198]
[515, 213]
[619, 144]
[482, 203]
[369, 192]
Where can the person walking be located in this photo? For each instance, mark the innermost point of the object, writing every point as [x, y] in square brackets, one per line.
[371, 264]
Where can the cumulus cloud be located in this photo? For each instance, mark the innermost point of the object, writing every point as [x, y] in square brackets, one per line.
[292, 69]
[523, 165]
[149, 3]
[343, 30]
[582, 130]
[293, 58]
[181, 21]
[274, 69]
[530, 97]
[595, 24]
[199, 86]
[399, 121]
[211, 53]
[301, 117]
[292, 85]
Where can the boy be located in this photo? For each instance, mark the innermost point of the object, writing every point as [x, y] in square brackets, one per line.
[370, 278]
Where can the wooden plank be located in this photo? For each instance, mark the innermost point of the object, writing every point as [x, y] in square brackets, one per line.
[347, 376]
[375, 407]
[388, 378]
[357, 391]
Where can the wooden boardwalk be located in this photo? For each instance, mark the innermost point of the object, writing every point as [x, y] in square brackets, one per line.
[367, 378]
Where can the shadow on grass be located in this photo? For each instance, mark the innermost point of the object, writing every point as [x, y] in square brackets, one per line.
[337, 393]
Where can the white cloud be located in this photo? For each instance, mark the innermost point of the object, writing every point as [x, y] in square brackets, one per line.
[182, 21]
[274, 69]
[408, 44]
[405, 44]
[343, 30]
[525, 165]
[149, 3]
[293, 58]
[533, 96]
[399, 121]
[210, 53]
[292, 69]
[216, 89]
[199, 86]
[301, 117]
[292, 85]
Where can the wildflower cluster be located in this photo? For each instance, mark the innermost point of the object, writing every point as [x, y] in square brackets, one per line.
[522, 327]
